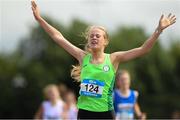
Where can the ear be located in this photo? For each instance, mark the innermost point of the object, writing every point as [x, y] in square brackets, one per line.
[106, 42]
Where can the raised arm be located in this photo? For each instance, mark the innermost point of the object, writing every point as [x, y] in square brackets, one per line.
[56, 35]
[124, 56]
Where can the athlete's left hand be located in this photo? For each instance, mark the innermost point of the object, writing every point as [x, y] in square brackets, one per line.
[165, 22]
[142, 116]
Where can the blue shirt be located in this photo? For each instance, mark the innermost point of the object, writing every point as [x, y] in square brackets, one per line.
[124, 106]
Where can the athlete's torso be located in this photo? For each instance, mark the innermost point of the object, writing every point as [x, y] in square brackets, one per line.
[52, 111]
[97, 83]
[124, 106]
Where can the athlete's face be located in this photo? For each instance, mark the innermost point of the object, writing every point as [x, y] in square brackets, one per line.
[124, 81]
[96, 39]
[70, 98]
[53, 93]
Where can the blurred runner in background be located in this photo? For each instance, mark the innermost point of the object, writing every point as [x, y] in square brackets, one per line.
[125, 99]
[53, 107]
[71, 108]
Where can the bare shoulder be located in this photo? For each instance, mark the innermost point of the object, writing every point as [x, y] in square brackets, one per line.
[82, 55]
[114, 59]
[115, 55]
[112, 56]
[136, 93]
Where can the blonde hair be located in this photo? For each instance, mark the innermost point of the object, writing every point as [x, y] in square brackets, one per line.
[76, 70]
[87, 31]
[49, 87]
[120, 73]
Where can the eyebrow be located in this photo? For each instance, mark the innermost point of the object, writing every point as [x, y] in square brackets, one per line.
[95, 34]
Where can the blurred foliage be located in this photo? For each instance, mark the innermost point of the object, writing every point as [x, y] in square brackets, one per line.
[39, 61]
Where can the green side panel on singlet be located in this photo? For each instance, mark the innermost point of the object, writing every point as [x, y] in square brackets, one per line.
[105, 73]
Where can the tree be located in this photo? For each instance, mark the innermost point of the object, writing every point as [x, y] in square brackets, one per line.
[39, 61]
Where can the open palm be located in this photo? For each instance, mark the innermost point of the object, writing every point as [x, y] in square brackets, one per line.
[164, 22]
[35, 10]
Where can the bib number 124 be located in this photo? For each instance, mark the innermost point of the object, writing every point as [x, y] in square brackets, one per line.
[92, 88]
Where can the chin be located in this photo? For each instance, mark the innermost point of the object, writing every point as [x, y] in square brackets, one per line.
[94, 48]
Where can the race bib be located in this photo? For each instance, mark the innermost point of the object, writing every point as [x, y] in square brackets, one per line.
[124, 116]
[125, 111]
[92, 88]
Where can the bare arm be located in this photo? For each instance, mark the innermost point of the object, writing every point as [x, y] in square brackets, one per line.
[140, 115]
[124, 56]
[65, 112]
[39, 113]
[137, 109]
[56, 35]
[138, 112]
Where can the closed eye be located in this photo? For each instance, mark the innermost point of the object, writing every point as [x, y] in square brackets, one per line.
[96, 35]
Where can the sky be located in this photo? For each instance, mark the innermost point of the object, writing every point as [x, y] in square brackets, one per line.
[16, 16]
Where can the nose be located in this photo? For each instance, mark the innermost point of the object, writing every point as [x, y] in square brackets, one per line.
[94, 37]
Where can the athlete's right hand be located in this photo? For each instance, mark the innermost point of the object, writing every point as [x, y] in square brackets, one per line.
[35, 10]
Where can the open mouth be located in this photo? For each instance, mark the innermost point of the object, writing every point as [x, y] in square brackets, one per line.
[94, 42]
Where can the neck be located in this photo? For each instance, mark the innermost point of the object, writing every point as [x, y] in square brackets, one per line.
[97, 55]
[124, 91]
[53, 102]
[70, 103]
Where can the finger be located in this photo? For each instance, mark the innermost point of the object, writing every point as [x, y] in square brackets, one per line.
[33, 3]
[32, 0]
[169, 15]
[172, 17]
[162, 16]
[172, 22]
[33, 9]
